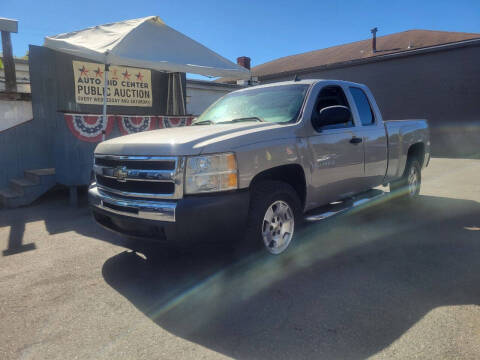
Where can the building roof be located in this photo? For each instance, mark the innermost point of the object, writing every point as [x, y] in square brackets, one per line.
[212, 85]
[388, 44]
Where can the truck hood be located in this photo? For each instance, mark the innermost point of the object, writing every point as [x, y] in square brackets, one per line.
[191, 140]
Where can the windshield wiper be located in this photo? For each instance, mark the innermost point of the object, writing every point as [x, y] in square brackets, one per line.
[251, 118]
[203, 122]
[210, 122]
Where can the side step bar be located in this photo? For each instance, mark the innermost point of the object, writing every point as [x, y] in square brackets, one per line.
[344, 206]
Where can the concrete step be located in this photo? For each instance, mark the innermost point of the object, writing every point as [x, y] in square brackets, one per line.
[43, 176]
[24, 191]
[22, 185]
[9, 197]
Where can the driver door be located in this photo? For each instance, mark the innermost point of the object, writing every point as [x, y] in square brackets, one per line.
[337, 152]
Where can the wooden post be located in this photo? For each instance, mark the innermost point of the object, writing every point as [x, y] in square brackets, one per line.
[8, 26]
[8, 63]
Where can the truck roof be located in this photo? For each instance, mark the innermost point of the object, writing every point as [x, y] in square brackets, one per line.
[302, 81]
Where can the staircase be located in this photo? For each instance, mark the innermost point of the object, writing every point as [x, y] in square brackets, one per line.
[24, 191]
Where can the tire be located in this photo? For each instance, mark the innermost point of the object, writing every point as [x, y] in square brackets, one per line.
[274, 205]
[408, 187]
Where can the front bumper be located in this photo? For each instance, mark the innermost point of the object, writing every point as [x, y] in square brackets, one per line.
[192, 218]
[143, 209]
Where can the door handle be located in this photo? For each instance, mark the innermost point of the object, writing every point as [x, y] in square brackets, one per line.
[356, 140]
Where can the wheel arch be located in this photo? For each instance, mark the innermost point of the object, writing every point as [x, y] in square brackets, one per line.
[292, 174]
[417, 151]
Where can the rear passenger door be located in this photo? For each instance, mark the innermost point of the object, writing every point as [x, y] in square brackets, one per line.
[336, 152]
[372, 131]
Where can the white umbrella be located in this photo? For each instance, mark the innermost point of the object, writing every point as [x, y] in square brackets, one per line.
[145, 43]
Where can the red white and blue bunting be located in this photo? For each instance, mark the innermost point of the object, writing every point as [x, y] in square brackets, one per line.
[134, 124]
[91, 128]
[174, 121]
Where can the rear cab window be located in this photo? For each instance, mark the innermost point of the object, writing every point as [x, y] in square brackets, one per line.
[363, 106]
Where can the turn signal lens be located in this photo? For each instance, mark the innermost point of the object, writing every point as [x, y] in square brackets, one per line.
[232, 181]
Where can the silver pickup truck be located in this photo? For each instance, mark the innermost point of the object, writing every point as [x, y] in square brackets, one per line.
[257, 162]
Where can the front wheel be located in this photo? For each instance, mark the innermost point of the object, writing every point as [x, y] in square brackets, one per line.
[274, 211]
[409, 185]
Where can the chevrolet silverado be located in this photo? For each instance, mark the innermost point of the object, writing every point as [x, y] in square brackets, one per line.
[257, 162]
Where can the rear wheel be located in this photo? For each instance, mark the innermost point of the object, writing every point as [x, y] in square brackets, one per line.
[409, 185]
[274, 213]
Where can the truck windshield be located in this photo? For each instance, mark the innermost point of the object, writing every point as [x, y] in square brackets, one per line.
[277, 104]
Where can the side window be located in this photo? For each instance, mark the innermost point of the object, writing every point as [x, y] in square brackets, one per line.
[330, 96]
[363, 106]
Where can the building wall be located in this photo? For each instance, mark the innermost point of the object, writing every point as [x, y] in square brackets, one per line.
[29, 145]
[441, 86]
[201, 94]
[14, 112]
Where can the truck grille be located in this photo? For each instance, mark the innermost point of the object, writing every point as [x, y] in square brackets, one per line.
[136, 164]
[140, 176]
[144, 187]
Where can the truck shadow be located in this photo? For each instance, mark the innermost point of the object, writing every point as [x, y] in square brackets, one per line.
[347, 289]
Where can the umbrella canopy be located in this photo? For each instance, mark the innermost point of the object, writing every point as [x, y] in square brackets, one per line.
[145, 43]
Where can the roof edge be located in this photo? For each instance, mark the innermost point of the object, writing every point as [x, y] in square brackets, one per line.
[367, 39]
[213, 84]
[399, 54]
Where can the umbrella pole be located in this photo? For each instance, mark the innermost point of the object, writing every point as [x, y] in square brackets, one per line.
[105, 88]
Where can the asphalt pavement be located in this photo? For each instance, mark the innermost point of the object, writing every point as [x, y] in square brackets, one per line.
[390, 281]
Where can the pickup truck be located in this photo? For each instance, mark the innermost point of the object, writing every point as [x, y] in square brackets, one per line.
[255, 164]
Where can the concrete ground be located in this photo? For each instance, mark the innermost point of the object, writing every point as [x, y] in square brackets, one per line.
[386, 282]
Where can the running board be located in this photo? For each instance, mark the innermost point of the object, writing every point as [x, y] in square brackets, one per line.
[344, 206]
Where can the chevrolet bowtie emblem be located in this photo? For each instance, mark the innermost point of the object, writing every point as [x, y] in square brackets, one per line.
[120, 173]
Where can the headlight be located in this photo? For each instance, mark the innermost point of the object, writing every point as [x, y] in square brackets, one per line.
[211, 173]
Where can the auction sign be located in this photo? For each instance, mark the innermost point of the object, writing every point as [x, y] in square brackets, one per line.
[126, 86]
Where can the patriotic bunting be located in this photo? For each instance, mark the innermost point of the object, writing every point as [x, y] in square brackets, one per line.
[174, 121]
[134, 124]
[91, 127]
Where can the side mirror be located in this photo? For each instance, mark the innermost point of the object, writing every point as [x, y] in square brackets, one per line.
[331, 115]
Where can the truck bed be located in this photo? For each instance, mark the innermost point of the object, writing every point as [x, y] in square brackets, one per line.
[401, 134]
